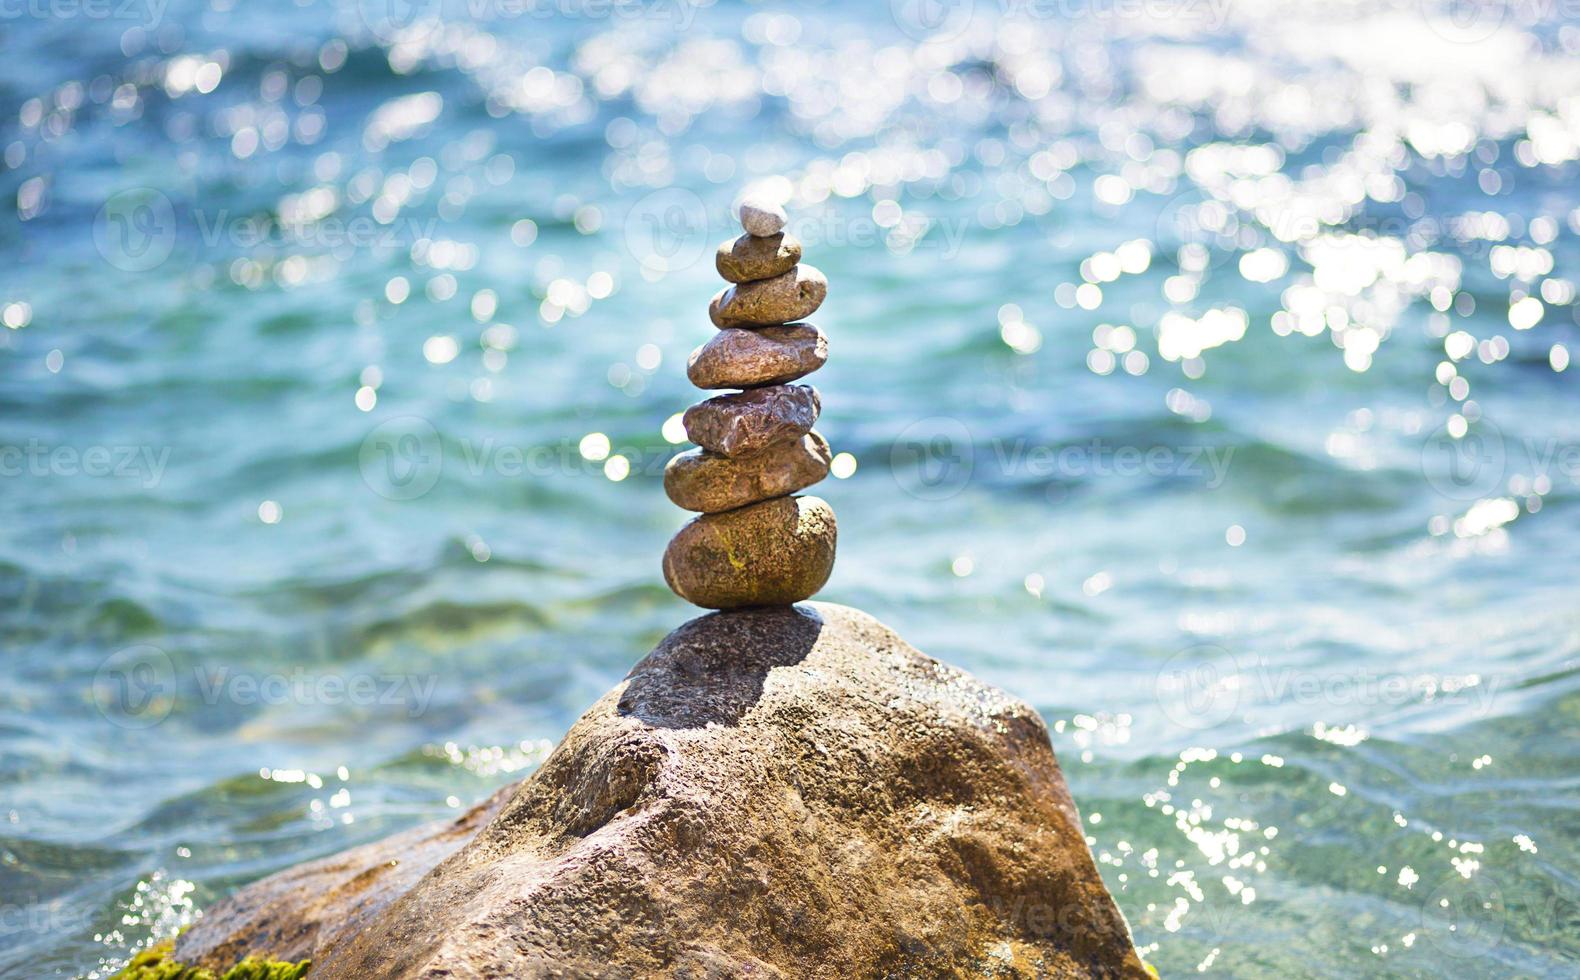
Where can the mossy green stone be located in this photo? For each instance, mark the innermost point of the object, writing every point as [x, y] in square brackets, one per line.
[774, 553]
[155, 963]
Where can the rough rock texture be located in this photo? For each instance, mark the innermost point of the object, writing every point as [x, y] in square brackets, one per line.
[738, 358]
[794, 794]
[707, 482]
[762, 217]
[310, 910]
[748, 422]
[792, 296]
[769, 554]
[749, 258]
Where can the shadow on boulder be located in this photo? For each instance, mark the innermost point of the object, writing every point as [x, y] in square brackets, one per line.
[711, 670]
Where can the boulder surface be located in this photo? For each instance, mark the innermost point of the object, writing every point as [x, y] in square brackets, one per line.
[790, 792]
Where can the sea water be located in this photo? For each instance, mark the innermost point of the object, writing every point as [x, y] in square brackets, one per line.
[1200, 373]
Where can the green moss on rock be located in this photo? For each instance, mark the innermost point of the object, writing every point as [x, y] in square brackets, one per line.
[155, 963]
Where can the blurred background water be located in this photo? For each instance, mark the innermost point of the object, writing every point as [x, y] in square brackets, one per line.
[1203, 368]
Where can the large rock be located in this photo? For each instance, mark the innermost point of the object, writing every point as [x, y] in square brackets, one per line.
[777, 793]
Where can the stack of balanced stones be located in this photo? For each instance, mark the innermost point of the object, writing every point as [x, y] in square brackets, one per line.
[756, 542]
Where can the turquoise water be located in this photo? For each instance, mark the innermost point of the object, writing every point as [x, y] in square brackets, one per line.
[1204, 371]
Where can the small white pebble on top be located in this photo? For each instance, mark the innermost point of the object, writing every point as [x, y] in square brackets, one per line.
[762, 218]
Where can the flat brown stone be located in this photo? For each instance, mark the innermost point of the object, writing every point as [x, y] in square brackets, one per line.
[750, 421]
[781, 794]
[707, 482]
[769, 554]
[794, 295]
[741, 358]
[749, 258]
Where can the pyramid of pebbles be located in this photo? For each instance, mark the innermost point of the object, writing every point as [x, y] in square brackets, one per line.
[756, 542]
